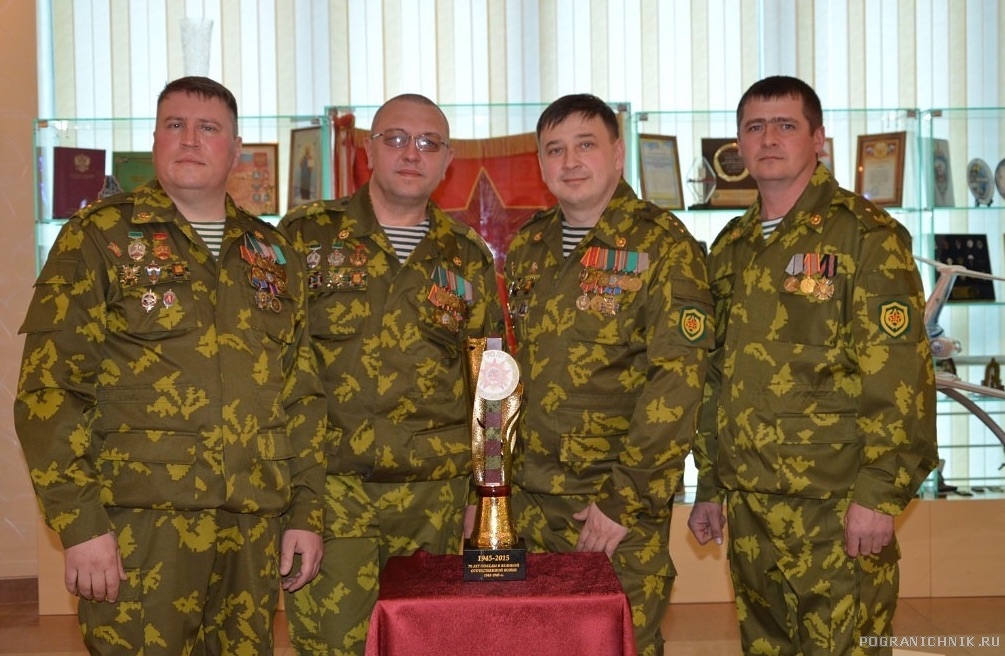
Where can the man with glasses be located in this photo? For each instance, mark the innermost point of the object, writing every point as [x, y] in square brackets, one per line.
[395, 288]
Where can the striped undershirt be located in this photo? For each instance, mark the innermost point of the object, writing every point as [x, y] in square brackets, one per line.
[571, 236]
[768, 226]
[211, 233]
[406, 238]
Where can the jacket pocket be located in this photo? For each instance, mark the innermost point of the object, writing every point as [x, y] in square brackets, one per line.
[816, 457]
[149, 469]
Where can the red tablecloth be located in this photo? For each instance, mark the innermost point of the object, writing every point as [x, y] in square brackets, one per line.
[571, 603]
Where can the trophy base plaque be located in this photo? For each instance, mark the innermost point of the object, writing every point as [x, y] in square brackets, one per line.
[495, 564]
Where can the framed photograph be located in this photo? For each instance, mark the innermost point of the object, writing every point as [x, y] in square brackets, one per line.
[879, 169]
[253, 182]
[659, 166]
[305, 166]
[734, 188]
[132, 168]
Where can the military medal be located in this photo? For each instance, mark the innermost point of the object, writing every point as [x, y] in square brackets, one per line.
[337, 256]
[266, 271]
[451, 295]
[519, 288]
[169, 298]
[314, 257]
[606, 274]
[161, 249]
[148, 300]
[153, 272]
[137, 248]
[129, 274]
[359, 258]
[811, 274]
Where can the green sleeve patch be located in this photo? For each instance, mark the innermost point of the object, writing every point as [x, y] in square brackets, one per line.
[894, 318]
[693, 323]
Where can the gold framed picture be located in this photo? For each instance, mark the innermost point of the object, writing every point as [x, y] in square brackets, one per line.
[659, 166]
[305, 166]
[253, 182]
[879, 168]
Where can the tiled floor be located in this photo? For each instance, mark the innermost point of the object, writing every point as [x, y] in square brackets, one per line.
[690, 629]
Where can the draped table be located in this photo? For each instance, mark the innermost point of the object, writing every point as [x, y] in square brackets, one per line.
[570, 603]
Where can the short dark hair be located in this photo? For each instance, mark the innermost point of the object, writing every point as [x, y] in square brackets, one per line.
[580, 103]
[417, 98]
[783, 86]
[204, 88]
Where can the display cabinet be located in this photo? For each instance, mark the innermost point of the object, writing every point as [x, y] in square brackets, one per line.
[963, 160]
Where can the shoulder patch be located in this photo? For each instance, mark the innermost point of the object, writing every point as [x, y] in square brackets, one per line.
[894, 318]
[693, 323]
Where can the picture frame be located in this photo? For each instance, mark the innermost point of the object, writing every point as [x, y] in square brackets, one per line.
[253, 182]
[734, 188]
[659, 167]
[133, 168]
[971, 251]
[879, 168]
[305, 166]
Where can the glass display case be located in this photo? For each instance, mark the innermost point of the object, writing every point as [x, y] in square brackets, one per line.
[962, 224]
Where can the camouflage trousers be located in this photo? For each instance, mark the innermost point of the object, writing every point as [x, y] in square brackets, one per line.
[641, 562]
[198, 583]
[367, 524]
[797, 591]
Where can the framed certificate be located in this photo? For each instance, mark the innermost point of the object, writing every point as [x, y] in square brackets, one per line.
[252, 182]
[734, 188]
[133, 168]
[659, 163]
[879, 169]
[305, 169]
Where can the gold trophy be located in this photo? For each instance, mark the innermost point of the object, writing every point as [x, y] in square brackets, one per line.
[493, 552]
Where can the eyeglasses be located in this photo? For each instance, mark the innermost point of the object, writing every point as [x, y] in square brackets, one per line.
[427, 142]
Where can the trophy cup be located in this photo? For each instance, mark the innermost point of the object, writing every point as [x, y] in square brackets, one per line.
[493, 552]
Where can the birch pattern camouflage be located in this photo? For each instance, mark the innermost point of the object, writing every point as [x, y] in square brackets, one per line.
[390, 339]
[611, 345]
[821, 392]
[154, 378]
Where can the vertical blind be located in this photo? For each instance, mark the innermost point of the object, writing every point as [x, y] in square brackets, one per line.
[109, 58]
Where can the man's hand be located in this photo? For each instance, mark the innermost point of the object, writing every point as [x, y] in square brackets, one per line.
[866, 531]
[600, 532]
[469, 521]
[310, 547]
[93, 569]
[706, 521]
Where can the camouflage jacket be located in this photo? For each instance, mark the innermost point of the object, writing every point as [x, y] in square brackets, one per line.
[821, 384]
[390, 337]
[156, 377]
[612, 345]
